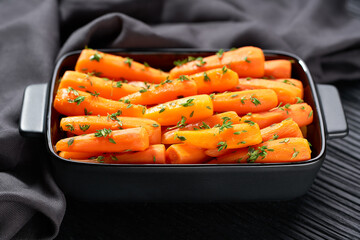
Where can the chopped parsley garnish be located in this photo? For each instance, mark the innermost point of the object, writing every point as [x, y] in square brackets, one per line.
[310, 114]
[102, 132]
[212, 95]
[201, 63]
[247, 60]
[114, 158]
[70, 127]
[154, 159]
[95, 94]
[161, 110]
[286, 140]
[224, 70]
[204, 126]
[95, 57]
[181, 138]
[295, 154]
[84, 127]
[288, 82]
[242, 100]
[251, 123]
[70, 142]
[146, 64]
[112, 140]
[255, 101]
[118, 85]
[275, 137]
[143, 90]
[220, 53]
[182, 78]
[155, 125]
[86, 112]
[299, 100]
[206, 77]
[77, 100]
[192, 114]
[70, 89]
[208, 107]
[188, 103]
[100, 159]
[128, 61]
[235, 95]
[221, 146]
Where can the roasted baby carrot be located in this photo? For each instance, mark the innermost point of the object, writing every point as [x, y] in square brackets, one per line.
[163, 92]
[215, 80]
[280, 68]
[89, 124]
[280, 150]
[286, 93]
[116, 67]
[71, 102]
[243, 102]
[185, 154]
[285, 129]
[301, 113]
[106, 140]
[193, 108]
[104, 87]
[155, 154]
[245, 61]
[293, 82]
[217, 119]
[226, 136]
[77, 155]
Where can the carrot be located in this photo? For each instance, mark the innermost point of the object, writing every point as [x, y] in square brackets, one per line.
[71, 102]
[89, 124]
[155, 154]
[285, 129]
[163, 92]
[293, 82]
[215, 80]
[280, 68]
[301, 113]
[193, 108]
[185, 154]
[77, 155]
[168, 137]
[286, 93]
[102, 86]
[243, 102]
[225, 137]
[280, 150]
[105, 140]
[116, 67]
[245, 61]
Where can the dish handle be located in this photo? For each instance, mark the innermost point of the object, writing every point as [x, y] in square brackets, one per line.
[32, 118]
[335, 120]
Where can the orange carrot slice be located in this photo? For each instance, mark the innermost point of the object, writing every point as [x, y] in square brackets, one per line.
[243, 102]
[116, 67]
[215, 80]
[155, 154]
[236, 136]
[245, 61]
[280, 150]
[163, 92]
[285, 129]
[193, 108]
[301, 113]
[286, 93]
[168, 137]
[185, 154]
[104, 87]
[71, 102]
[89, 124]
[279, 68]
[77, 155]
[132, 139]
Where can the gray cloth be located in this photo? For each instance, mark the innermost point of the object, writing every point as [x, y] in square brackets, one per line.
[34, 33]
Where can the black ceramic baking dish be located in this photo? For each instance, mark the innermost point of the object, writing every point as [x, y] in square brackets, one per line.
[196, 182]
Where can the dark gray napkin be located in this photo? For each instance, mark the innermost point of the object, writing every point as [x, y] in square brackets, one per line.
[31, 33]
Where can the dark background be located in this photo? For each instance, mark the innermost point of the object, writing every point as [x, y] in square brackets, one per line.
[34, 33]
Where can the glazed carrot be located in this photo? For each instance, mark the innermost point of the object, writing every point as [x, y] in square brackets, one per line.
[185, 154]
[105, 140]
[301, 113]
[215, 80]
[77, 155]
[285, 129]
[193, 108]
[293, 82]
[280, 68]
[163, 92]
[89, 124]
[104, 87]
[74, 103]
[116, 67]
[286, 93]
[236, 136]
[168, 137]
[245, 61]
[155, 154]
[243, 102]
[280, 150]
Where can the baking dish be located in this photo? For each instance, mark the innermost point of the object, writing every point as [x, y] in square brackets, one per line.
[195, 182]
